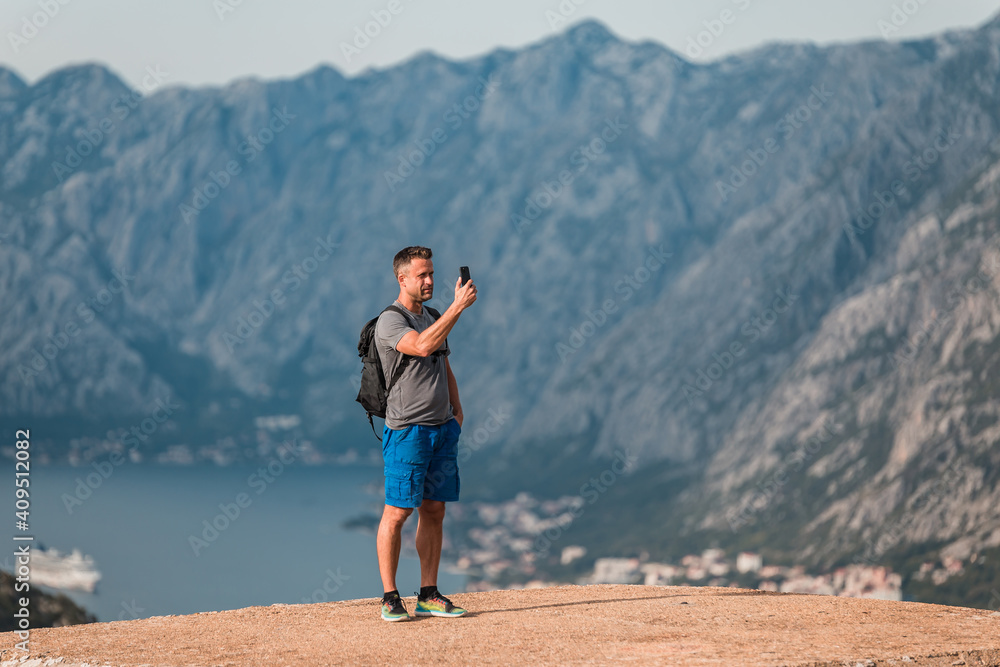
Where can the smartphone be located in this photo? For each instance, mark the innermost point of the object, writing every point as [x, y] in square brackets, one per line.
[464, 272]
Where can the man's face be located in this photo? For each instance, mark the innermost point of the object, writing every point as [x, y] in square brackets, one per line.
[418, 280]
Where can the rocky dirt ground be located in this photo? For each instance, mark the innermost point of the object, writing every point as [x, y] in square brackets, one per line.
[598, 624]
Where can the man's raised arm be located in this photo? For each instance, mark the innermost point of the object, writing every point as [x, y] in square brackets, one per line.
[425, 343]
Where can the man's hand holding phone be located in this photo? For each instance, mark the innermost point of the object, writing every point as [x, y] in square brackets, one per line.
[465, 290]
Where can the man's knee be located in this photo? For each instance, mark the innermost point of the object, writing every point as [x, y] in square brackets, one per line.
[396, 515]
[432, 510]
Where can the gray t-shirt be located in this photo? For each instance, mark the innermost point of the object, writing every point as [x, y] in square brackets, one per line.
[420, 395]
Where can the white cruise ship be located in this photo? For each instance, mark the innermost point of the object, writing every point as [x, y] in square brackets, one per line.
[71, 571]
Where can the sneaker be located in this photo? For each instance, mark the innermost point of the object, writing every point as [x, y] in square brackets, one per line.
[393, 609]
[437, 605]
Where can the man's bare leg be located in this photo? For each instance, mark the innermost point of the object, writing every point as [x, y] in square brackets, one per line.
[430, 534]
[388, 543]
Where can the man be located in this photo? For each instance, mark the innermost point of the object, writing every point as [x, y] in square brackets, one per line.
[422, 424]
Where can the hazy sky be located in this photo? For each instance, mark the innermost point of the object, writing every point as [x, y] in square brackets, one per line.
[216, 41]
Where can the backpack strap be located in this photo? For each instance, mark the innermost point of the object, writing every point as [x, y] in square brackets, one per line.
[402, 364]
[396, 375]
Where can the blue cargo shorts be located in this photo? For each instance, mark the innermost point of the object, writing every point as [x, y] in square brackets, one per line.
[421, 462]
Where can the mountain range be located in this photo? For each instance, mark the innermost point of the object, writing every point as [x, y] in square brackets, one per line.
[770, 281]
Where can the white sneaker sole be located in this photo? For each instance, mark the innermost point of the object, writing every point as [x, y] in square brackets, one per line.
[440, 614]
[393, 620]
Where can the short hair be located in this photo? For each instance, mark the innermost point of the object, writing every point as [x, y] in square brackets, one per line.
[402, 260]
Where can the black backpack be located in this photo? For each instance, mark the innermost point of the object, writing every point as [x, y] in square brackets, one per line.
[374, 391]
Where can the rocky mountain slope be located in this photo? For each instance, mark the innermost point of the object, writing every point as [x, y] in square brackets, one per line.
[901, 438]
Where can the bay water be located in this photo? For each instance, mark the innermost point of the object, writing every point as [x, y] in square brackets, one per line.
[145, 527]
